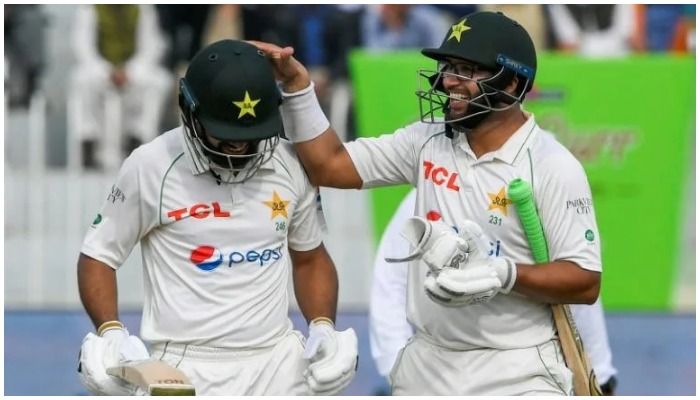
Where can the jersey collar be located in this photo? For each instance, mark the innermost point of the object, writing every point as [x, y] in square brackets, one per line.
[512, 150]
[516, 146]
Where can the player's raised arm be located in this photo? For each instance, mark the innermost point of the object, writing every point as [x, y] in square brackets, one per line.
[324, 157]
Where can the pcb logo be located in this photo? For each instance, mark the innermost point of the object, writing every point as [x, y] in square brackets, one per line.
[590, 236]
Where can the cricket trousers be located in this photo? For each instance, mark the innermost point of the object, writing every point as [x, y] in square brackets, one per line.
[423, 368]
[275, 370]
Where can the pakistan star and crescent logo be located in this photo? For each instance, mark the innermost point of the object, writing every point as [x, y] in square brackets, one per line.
[499, 201]
[277, 205]
[458, 30]
[246, 105]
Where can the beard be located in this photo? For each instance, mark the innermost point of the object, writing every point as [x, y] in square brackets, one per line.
[470, 117]
[223, 161]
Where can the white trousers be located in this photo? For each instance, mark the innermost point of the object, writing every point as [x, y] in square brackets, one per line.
[425, 369]
[142, 101]
[276, 370]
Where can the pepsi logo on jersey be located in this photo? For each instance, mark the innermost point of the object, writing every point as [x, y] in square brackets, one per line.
[208, 258]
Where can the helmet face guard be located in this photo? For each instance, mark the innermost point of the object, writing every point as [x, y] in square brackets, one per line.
[487, 41]
[434, 100]
[230, 168]
[229, 105]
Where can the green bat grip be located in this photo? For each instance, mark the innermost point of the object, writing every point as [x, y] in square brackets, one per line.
[520, 193]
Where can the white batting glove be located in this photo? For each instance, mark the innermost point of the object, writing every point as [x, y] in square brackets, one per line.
[480, 288]
[482, 277]
[435, 242]
[333, 357]
[97, 353]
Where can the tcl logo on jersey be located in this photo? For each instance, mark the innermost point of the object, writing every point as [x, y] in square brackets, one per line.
[199, 211]
[208, 258]
[440, 176]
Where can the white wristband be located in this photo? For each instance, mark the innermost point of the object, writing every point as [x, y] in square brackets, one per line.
[302, 115]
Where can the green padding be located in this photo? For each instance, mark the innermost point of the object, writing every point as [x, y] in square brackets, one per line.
[631, 122]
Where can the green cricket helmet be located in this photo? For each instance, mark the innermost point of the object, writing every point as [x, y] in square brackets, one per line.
[229, 93]
[491, 42]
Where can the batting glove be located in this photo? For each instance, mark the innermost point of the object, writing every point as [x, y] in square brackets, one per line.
[97, 353]
[333, 357]
[482, 277]
[447, 298]
[435, 242]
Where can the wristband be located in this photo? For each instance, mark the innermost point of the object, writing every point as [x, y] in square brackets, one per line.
[109, 325]
[322, 320]
[302, 115]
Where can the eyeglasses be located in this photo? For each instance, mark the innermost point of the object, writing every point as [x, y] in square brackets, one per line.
[464, 70]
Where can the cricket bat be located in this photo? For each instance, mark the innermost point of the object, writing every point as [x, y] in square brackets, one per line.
[154, 377]
[585, 381]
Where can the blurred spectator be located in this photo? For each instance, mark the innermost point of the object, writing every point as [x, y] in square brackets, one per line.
[224, 22]
[402, 26]
[533, 17]
[312, 47]
[25, 54]
[665, 28]
[183, 25]
[118, 48]
[278, 23]
[593, 30]
[307, 28]
[342, 35]
[454, 11]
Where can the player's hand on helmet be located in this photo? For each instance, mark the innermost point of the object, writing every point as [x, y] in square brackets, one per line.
[333, 357]
[98, 353]
[287, 69]
[435, 242]
[477, 280]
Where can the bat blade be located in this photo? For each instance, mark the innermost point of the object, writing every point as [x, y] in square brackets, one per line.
[154, 377]
[585, 381]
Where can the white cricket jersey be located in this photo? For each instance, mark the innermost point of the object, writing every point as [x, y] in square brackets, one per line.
[453, 185]
[215, 256]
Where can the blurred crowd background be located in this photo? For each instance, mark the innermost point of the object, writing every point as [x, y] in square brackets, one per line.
[86, 84]
[90, 60]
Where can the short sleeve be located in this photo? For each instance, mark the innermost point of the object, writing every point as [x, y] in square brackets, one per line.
[308, 223]
[565, 203]
[118, 226]
[389, 159]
